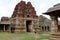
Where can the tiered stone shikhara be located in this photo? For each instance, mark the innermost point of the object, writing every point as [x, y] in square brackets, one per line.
[23, 19]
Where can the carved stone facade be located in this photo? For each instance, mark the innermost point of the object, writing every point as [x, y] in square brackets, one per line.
[23, 19]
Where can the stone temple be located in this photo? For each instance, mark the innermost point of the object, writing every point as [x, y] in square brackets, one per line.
[54, 13]
[23, 19]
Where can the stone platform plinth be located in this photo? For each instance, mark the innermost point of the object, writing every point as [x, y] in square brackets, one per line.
[55, 36]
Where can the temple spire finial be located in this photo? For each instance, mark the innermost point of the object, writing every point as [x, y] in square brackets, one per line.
[21, 0]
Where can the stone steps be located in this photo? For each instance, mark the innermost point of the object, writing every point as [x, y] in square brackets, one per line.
[55, 38]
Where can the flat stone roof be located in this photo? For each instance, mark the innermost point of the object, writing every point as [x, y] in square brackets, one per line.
[55, 10]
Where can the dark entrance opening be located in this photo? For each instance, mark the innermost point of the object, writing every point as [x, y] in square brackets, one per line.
[12, 29]
[4, 27]
[58, 27]
[42, 28]
[1, 27]
[7, 26]
[28, 25]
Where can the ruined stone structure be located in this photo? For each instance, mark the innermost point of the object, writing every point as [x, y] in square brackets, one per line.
[44, 24]
[4, 24]
[54, 13]
[23, 19]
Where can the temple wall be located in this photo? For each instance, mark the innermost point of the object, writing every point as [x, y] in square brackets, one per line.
[20, 24]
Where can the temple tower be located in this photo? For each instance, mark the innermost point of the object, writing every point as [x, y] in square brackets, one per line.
[24, 18]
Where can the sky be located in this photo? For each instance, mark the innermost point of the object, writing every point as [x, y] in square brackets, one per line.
[41, 6]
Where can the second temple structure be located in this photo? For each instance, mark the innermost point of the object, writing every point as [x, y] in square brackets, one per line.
[54, 13]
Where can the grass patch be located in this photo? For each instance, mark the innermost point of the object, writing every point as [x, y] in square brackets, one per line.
[24, 36]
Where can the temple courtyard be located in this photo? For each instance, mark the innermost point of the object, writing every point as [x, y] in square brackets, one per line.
[24, 36]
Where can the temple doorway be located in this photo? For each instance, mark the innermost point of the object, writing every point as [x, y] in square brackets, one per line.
[28, 25]
[12, 29]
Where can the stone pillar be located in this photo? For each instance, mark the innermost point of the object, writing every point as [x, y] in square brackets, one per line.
[48, 28]
[41, 28]
[44, 28]
[54, 24]
[10, 28]
[4, 27]
[25, 24]
[33, 26]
